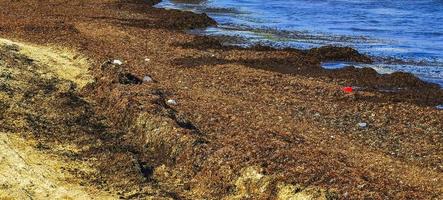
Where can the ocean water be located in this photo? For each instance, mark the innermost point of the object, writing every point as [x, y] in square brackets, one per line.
[404, 35]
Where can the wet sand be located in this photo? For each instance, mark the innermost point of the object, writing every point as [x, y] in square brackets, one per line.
[255, 123]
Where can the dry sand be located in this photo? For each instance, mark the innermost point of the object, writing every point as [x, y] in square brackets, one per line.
[28, 170]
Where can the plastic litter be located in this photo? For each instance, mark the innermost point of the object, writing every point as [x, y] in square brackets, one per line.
[147, 79]
[348, 89]
[171, 102]
[147, 59]
[117, 62]
[363, 125]
[439, 107]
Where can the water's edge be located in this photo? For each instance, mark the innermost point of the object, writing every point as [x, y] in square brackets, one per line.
[245, 36]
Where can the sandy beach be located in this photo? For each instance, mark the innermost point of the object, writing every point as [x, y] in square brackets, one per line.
[123, 103]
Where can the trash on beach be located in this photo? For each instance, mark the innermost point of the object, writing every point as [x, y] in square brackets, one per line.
[348, 89]
[171, 102]
[439, 107]
[117, 62]
[362, 125]
[147, 79]
[147, 59]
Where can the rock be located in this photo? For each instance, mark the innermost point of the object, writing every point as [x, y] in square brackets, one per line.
[147, 79]
[362, 125]
[117, 62]
[334, 53]
[252, 183]
[171, 102]
[298, 192]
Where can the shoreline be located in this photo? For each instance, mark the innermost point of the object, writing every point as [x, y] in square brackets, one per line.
[408, 86]
[364, 77]
[220, 122]
[242, 39]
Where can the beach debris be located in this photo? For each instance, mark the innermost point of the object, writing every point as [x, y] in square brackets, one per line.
[117, 62]
[347, 89]
[362, 125]
[171, 102]
[439, 107]
[147, 59]
[147, 79]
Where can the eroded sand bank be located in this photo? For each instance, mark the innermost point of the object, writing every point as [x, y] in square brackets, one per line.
[29, 170]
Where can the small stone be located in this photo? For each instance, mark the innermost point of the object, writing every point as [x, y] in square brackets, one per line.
[362, 125]
[171, 102]
[117, 62]
[147, 79]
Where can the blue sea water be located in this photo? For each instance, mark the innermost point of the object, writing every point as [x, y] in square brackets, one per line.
[403, 35]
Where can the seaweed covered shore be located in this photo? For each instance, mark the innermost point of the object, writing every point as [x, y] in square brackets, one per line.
[184, 117]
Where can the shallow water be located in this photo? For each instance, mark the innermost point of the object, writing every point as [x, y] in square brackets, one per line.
[401, 35]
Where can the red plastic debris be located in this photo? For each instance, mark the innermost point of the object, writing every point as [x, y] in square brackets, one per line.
[347, 89]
